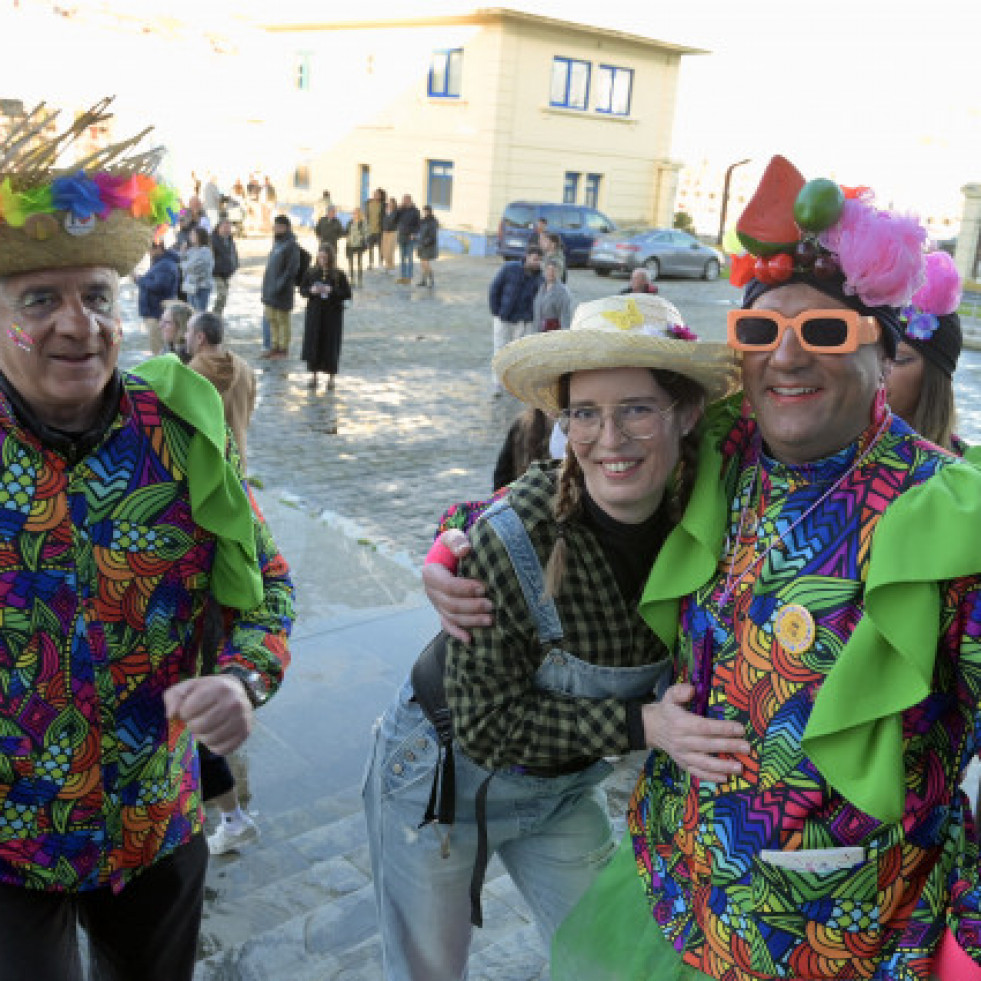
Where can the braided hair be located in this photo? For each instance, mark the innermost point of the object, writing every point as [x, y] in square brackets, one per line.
[567, 500]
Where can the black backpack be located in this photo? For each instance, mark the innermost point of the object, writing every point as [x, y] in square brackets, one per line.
[305, 260]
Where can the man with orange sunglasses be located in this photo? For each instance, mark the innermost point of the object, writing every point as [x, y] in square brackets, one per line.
[828, 589]
[823, 589]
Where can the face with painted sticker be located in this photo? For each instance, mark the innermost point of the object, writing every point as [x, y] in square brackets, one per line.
[59, 341]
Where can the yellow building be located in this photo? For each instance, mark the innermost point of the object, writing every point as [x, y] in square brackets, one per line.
[471, 111]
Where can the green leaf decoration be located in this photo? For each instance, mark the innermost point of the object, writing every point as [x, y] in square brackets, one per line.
[31, 546]
[145, 503]
[61, 814]
[44, 620]
[68, 729]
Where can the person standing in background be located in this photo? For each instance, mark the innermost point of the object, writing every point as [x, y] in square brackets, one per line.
[279, 286]
[326, 289]
[226, 262]
[553, 301]
[329, 230]
[428, 246]
[157, 285]
[357, 239]
[390, 230]
[512, 301]
[374, 213]
[197, 265]
[408, 228]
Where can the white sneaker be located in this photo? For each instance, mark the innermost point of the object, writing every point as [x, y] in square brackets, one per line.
[231, 837]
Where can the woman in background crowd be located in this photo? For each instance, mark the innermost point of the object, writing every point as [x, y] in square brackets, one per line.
[326, 288]
[553, 301]
[427, 246]
[197, 268]
[357, 242]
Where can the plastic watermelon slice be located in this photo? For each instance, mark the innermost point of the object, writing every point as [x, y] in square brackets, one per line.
[767, 225]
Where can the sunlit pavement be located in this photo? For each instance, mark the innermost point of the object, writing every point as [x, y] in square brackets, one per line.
[352, 483]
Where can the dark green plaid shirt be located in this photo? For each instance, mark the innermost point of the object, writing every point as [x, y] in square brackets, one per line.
[500, 718]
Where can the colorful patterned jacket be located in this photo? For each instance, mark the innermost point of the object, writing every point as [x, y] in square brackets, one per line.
[844, 633]
[104, 572]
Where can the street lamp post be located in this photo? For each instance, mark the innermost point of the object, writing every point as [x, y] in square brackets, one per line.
[725, 196]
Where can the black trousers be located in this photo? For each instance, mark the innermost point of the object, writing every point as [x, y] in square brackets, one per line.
[216, 775]
[147, 932]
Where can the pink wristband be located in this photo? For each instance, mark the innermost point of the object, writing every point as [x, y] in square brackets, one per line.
[439, 554]
[952, 963]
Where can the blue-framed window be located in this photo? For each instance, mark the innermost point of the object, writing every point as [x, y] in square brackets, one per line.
[570, 83]
[614, 86]
[570, 188]
[446, 74]
[301, 74]
[591, 195]
[439, 186]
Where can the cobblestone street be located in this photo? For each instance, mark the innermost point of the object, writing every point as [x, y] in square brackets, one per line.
[412, 425]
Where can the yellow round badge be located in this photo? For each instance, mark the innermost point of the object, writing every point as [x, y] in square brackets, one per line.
[794, 628]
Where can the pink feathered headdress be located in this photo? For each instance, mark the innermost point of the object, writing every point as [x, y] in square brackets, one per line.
[941, 293]
[880, 253]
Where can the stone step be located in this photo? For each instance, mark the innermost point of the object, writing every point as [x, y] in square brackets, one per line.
[299, 903]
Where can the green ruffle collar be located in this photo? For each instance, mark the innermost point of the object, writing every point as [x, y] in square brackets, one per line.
[219, 502]
[854, 735]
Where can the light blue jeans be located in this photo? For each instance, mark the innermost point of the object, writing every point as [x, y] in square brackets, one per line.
[199, 298]
[406, 248]
[552, 834]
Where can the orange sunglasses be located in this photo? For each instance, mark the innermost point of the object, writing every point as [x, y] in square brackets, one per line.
[820, 331]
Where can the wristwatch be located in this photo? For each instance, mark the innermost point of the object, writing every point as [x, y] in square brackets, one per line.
[254, 684]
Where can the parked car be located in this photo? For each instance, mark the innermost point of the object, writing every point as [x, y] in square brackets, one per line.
[661, 251]
[575, 224]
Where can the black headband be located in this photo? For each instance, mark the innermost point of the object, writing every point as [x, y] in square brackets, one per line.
[943, 348]
[888, 317]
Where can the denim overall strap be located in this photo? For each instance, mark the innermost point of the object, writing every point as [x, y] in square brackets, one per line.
[511, 531]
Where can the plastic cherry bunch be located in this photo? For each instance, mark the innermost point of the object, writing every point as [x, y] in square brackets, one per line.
[822, 229]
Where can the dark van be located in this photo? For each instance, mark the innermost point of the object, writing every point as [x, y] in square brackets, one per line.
[575, 224]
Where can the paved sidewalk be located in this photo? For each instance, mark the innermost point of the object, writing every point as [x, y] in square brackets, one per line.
[299, 904]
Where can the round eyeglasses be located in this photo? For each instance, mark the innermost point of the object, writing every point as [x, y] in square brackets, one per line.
[634, 420]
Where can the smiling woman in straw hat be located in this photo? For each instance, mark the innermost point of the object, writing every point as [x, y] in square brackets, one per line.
[568, 674]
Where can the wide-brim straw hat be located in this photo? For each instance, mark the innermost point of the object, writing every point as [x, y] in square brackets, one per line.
[102, 210]
[631, 330]
[118, 242]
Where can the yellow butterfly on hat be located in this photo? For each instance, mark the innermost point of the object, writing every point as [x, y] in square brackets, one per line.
[625, 319]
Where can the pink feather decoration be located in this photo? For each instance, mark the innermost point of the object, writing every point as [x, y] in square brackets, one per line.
[941, 293]
[880, 253]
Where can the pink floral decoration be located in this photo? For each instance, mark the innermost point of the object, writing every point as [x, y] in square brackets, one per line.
[941, 293]
[116, 192]
[682, 333]
[880, 253]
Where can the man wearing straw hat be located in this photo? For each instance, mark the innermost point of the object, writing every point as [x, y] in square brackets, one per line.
[122, 510]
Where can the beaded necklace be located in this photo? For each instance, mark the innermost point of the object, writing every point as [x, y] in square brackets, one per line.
[702, 656]
[751, 491]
